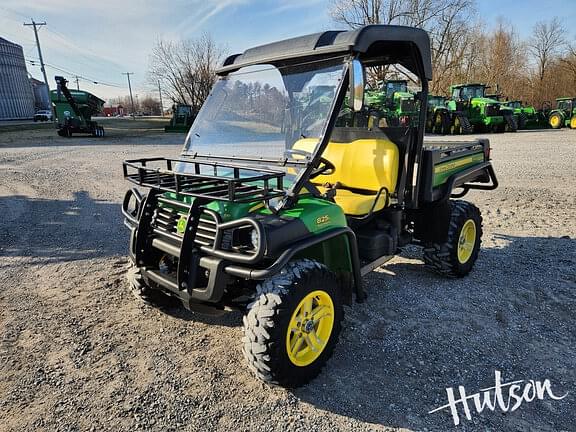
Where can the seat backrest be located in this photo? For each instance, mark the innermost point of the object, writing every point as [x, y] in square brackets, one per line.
[365, 163]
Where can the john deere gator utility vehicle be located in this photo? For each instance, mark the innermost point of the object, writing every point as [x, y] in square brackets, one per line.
[273, 210]
[564, 115]
[438, 118]
[74, 110]
[474, 112]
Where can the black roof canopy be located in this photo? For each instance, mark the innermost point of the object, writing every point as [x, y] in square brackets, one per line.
[407, 46]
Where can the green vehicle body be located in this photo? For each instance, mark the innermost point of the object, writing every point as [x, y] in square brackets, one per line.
[565, 111]
[483, 113]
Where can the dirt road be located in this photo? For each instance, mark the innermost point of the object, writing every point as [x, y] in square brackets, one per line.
[78, 352]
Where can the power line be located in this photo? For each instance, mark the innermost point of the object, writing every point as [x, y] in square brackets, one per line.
[76, 75]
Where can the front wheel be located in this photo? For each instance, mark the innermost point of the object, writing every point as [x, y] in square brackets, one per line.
[573, 122]
[140, 288]
[457, 255]
[293, 325]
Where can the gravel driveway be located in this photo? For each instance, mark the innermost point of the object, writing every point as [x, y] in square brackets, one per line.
[79, 353]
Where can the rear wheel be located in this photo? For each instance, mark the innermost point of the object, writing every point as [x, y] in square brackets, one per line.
[456, 126]
[293, 325]
[555, 120]
[466, 125]
[522, 120]
[510, 123]
[457, 255]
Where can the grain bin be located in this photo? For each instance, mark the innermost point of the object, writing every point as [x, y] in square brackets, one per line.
[16, 95]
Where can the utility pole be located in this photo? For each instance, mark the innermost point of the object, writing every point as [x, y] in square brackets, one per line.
[161, 104]
[76, 78]
[130, 88]
[35, 25]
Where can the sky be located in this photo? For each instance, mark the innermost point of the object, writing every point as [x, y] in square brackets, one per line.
[99, 40]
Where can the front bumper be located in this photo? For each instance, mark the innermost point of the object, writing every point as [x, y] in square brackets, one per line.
[201, 277]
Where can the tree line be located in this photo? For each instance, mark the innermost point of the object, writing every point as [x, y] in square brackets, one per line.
[464, 49]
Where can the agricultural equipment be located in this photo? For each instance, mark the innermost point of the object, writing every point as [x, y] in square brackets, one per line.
[396, 102]
[182, 118]
[280, 217]
[564, 115]
[527, 117]
[74, 110]
[474, 112]
[438, 118]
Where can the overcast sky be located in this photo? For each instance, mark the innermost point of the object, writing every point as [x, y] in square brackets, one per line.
[101, 39]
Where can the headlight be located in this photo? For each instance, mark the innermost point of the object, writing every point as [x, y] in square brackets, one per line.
[255, 238]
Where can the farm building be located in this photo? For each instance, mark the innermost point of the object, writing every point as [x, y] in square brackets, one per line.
[16, 94]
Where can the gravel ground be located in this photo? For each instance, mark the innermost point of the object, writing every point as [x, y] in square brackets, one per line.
[78, 352]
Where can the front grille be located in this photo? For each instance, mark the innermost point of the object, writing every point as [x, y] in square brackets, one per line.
[206, 231]
[165, 224]
[407, 105]
[492, 110]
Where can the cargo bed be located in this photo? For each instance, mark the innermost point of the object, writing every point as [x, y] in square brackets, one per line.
[455, 164]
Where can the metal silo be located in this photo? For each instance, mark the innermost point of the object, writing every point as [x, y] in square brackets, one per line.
[16, 95]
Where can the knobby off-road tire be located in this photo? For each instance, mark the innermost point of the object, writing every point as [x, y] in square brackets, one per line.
[143, 291]
[269, 324]
[511, 124]
[441, 123]
[457, 255]
[460, 125]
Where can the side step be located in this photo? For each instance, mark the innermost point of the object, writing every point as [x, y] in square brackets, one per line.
[364, 270]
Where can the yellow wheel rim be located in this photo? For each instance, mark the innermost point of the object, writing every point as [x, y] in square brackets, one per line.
[310, 328]
[555, 121]
[573, 123]
[466, 241]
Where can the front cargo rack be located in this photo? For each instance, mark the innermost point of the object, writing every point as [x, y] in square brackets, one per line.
[205, 179]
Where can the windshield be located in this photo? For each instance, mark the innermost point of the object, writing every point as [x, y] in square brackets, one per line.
[436, 100]
[473, 92]
[260, 112]
[396, 86]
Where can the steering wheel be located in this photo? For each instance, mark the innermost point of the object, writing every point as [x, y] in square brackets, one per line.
[325, 168]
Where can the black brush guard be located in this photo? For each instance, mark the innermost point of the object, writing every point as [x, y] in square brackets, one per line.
[224, 182]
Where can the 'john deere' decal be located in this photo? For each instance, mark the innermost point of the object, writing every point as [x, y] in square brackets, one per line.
[181, 226]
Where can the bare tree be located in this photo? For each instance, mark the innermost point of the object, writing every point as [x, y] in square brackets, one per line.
[185, 69]
[445, 20]
[547, 43]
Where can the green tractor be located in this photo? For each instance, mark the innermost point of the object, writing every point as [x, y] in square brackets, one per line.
[527, 117]
[474, 112]
[182, 118]
[394, 102]
[74, 110]
[439, 117]
[564, 115]
[275, 211]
